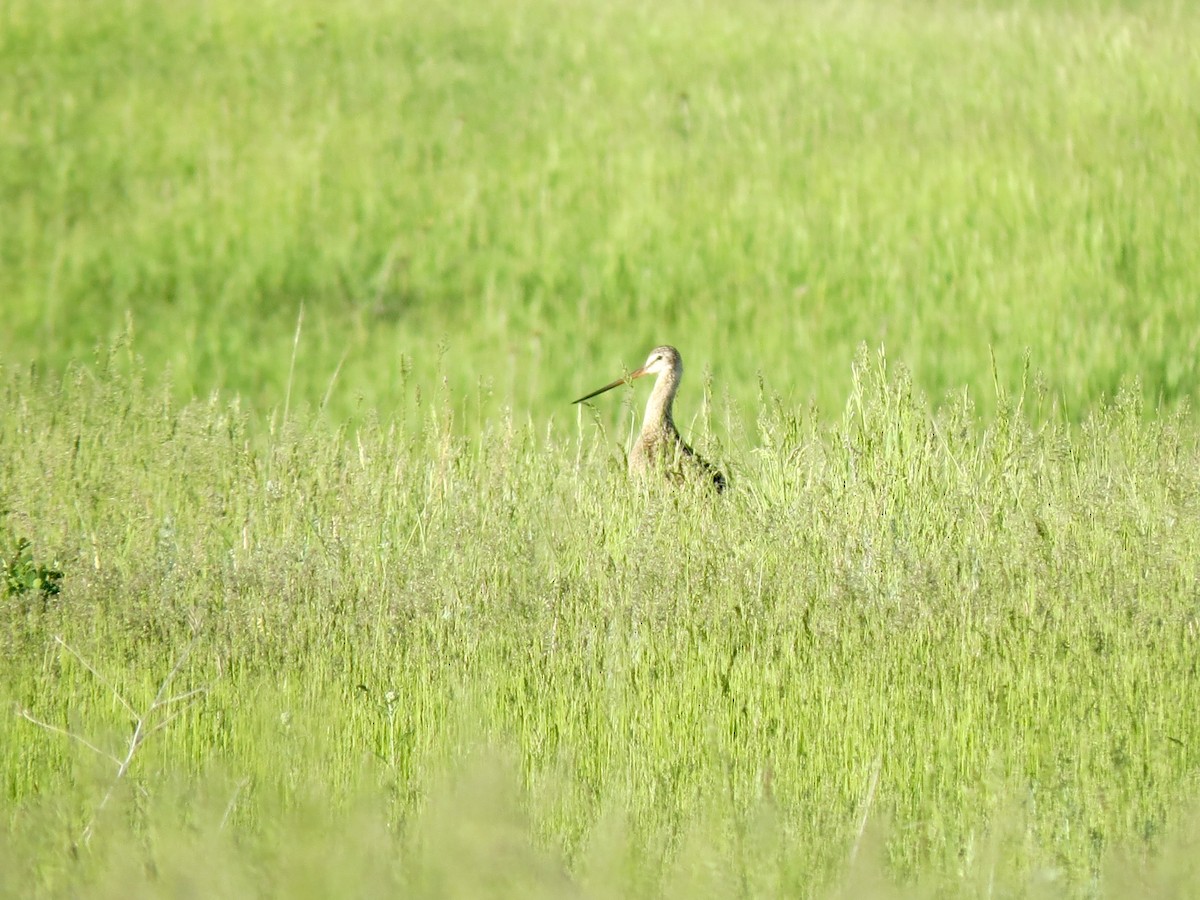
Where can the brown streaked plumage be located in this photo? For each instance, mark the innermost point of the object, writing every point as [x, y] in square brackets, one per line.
[659, 446]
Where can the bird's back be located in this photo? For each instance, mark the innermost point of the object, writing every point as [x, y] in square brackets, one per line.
[664, 450]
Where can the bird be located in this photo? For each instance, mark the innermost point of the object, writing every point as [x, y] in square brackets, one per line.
[659, 446]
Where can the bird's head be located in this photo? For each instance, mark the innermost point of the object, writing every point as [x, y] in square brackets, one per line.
[661, 359]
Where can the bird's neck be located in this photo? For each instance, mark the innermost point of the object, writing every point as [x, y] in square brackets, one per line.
[658, 407]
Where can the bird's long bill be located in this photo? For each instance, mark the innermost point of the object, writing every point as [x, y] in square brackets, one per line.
[638, 373]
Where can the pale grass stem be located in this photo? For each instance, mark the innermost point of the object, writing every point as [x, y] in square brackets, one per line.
[865, 812]
[332, 379]
[144, 725]
[287, 399]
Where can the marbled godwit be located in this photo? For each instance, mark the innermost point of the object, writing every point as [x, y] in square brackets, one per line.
[659, 446]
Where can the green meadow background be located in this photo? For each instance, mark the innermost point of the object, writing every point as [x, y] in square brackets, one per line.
[315, 584]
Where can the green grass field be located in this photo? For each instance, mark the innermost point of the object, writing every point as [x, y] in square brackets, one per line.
[316, 585]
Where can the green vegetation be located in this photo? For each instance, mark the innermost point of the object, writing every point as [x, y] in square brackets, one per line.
[549, 190]
[996, 625]
[350, 602]
[23, 576]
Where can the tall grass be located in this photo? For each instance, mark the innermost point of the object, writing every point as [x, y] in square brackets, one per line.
[992, 624]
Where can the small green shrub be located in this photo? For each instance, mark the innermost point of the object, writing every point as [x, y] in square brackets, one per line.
[23, 575]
